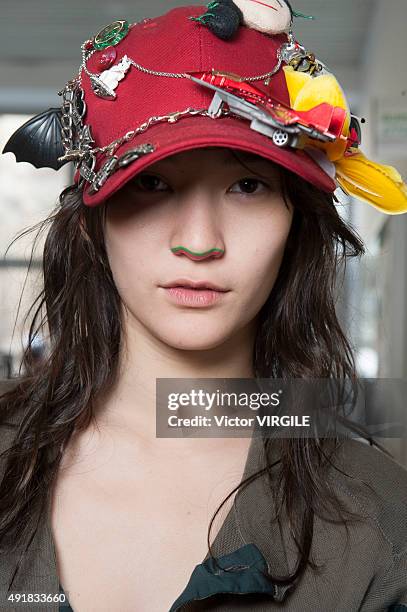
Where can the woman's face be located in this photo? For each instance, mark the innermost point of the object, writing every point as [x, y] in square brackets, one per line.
[201, 199]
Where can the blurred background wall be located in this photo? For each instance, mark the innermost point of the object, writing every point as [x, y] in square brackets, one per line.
[363, 42]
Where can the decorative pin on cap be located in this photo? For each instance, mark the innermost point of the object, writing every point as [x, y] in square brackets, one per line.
[224, 17]
[111, 35]
[105, 84]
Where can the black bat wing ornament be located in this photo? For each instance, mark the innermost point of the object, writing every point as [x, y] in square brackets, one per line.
[39, 140]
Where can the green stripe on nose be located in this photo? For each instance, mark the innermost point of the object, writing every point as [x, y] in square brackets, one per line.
[178, 250]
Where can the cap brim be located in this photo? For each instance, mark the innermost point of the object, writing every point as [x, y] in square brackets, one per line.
[193, 132]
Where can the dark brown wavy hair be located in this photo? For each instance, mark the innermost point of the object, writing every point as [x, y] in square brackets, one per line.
[298, 336]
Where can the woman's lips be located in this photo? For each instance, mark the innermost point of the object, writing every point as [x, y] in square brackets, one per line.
[185, 296]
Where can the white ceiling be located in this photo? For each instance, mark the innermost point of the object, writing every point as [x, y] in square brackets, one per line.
[40, 29]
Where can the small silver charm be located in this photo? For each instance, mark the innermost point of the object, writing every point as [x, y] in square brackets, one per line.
[295, 55]
[105, 84]
[100, 89]
[86, 170]
[86, 138]
[110, 166]
[291, 50]
[103, 174]
[81, 146]
[78, 106]
[134, 154]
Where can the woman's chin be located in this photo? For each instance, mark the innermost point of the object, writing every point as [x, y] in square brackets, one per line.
[193, 339]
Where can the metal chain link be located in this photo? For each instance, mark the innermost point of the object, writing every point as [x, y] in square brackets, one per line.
[180, 75]
[175, 75]
[89, 153]
[170, 118]
[67, 111]
[87, 54]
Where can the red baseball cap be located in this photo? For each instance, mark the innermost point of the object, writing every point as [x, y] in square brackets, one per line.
[171, 45]
[209, 76]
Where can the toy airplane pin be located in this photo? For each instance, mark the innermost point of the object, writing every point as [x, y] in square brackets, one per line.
[271, 117]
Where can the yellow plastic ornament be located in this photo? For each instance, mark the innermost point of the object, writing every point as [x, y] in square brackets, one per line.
[379, 185]
[306, 92]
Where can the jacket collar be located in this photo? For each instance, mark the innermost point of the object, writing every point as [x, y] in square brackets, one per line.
[248, 540]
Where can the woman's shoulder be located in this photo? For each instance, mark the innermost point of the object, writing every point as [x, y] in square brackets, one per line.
[364, 460]
[374, 484]
[375, 487]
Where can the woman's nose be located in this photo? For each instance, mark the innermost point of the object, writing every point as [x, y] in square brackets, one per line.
[198, 229]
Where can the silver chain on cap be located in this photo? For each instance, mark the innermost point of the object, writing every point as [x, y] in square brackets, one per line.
[82, 151]
[87, 54]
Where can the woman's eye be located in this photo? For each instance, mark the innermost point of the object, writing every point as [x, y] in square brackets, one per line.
[148, 182]
[153, 184]
[249, 186]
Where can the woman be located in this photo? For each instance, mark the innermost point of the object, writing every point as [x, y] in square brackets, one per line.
[172, 187]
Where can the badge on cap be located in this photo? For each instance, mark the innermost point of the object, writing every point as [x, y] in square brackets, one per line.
[105, 84]
[111, 35]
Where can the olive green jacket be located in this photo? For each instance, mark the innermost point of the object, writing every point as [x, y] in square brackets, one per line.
[366, 570]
